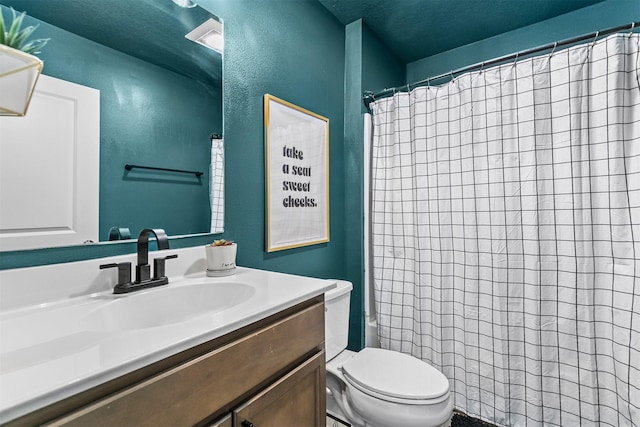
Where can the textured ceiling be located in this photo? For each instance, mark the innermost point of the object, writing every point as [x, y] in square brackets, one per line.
[416, 29]
[152, 30]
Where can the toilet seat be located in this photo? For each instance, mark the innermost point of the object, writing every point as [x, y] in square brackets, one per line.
[395, 377]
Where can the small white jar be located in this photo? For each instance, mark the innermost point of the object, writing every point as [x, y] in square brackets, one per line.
[221, 260]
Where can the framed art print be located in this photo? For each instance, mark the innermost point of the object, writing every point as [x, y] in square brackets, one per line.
[297, 175]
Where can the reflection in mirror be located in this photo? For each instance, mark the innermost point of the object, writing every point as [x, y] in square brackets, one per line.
[160, 102]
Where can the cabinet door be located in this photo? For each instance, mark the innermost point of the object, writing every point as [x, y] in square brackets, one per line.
[297, 399]
[222, 422]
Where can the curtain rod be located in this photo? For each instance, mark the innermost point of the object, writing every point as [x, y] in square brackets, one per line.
[368, 97]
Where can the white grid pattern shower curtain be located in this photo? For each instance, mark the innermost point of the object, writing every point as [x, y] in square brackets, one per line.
[505, 218]
[216, 186]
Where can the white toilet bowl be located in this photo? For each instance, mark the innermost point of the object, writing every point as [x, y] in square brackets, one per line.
[376, 387]
[382, 388]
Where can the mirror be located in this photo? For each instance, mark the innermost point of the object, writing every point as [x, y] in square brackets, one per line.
[160, 102]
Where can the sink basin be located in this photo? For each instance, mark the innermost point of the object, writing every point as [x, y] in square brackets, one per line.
[167, 305]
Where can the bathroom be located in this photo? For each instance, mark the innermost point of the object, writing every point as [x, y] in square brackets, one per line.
[327, 74]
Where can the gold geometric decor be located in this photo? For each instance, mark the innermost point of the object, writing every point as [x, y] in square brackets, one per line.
[19, 73]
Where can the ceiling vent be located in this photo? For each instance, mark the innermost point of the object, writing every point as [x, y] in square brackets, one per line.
[208, 34]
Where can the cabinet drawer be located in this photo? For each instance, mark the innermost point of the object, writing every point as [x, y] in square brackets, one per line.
[195, 390]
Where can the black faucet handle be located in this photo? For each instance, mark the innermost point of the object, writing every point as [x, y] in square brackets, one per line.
[158, 266]
[124, 271]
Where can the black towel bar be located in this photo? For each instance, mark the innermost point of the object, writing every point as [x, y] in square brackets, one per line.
[129, 167]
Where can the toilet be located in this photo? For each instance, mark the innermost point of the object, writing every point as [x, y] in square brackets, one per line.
[376, 387]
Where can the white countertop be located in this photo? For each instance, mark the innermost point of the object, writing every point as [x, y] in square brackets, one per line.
[49, 351]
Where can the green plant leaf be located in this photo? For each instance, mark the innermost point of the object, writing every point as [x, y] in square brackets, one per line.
[2, 30]
[14, 29]
[22, 36]
[16, 36]
[34, 46]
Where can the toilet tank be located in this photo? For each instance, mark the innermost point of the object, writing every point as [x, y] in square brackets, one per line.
[336, 318]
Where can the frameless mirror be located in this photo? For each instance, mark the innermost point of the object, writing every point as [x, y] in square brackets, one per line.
[160, 104]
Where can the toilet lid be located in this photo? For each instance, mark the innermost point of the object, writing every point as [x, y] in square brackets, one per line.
[394, 374]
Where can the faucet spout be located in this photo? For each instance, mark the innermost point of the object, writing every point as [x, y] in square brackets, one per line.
[143, 269]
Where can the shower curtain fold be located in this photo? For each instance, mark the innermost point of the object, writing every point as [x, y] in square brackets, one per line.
[505, 218]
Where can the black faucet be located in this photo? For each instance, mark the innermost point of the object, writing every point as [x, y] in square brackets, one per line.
[143, 269]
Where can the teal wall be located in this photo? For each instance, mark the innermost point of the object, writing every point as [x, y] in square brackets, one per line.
[368, 65]
[380, 67]
[294, 50]
[600, 16]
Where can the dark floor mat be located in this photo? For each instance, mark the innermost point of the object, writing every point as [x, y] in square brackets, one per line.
[462, 420]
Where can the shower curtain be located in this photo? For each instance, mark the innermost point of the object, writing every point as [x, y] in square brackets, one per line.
[216, 186]
[505, 221]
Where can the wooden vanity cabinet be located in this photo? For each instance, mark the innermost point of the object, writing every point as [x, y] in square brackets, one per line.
[270, 373]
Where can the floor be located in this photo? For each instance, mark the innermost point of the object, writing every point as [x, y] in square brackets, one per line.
[462, 420]
[334, 422]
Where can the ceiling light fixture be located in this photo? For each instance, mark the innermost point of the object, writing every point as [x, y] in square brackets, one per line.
[208, 34]
[185, 3]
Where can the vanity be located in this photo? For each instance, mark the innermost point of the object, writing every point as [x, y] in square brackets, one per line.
[242, 350]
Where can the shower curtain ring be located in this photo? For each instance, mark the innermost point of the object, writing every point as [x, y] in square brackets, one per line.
[595, 39]
[555, 45]
[515, 61]
[633, 25]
